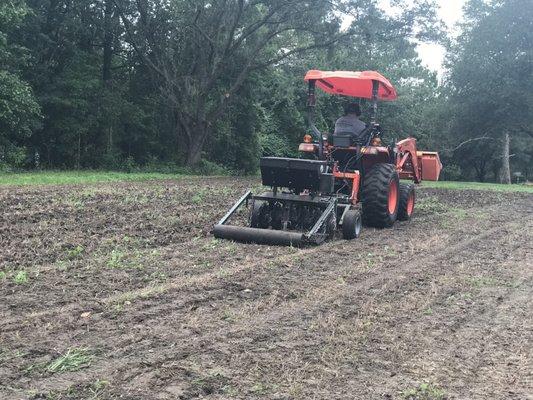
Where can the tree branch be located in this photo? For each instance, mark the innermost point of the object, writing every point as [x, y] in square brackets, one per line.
[127, 27]
[298, 50]
[476, 139]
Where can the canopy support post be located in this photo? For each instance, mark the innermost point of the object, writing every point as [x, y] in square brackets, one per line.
[375, 87]
[311, 103]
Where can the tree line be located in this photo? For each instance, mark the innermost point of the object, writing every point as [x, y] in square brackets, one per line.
[124, 83]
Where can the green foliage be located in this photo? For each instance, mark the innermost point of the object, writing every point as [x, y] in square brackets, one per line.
[174, 87]
[451, 172]
[490, 88]
[19, 111]
[118, 95]
[206, 167]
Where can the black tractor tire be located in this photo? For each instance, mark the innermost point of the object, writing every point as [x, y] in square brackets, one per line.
[351, 225]
[380, 196]
[407, 201]
[258, 217]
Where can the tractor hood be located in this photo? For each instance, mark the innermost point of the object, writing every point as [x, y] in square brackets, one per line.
[352, 83]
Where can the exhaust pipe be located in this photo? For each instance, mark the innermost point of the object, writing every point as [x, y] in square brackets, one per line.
[259, 236]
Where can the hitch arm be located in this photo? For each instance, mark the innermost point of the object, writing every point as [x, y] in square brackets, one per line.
[244, 198]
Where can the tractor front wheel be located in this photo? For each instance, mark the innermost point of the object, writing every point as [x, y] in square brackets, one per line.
[407, 201]
[380, 195]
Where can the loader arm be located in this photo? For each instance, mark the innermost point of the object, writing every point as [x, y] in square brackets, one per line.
[407, 160]
[415, 164]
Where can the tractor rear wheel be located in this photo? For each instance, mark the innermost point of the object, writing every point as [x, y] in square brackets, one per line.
[407, 201]
[351, 225]
[380, 195]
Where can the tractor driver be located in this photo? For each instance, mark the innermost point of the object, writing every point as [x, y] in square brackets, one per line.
[350, 122]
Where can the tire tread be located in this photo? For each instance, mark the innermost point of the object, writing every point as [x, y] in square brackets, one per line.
[375, 195]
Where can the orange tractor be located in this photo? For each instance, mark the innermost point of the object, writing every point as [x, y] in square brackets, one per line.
[343, 182]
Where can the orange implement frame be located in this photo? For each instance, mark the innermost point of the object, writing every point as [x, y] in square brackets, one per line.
[416, 165]
[354, 177]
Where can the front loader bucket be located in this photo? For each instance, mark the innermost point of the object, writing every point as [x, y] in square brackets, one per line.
[430, 165]
[259, 236]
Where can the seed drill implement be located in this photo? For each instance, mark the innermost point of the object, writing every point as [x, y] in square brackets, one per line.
[342, 181]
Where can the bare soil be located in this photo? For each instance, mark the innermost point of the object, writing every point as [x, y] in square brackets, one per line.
[440, 307]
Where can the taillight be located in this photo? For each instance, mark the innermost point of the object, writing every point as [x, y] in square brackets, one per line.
[307, 147]
[376, 142]
[369, 150]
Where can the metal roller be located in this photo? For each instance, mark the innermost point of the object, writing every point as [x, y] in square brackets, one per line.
[260, 236]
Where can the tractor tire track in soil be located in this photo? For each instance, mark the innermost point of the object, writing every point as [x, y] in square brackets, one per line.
[443, 300]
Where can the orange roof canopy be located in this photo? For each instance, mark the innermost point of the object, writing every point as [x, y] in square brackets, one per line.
[351, 83]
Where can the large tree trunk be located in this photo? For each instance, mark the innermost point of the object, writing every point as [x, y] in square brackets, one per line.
[107, 62]
[194, 153]
[505, 172]
[480, 170]
[197, 137]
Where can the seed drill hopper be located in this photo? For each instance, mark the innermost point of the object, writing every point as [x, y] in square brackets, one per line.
[342, 181]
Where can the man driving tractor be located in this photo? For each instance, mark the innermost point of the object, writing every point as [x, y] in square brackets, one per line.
[350, 123]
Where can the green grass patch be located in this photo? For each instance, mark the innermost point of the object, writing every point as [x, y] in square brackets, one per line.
[478, 186]
[75, 252]
[425, 391]
[79, 177]
[21, 277]
[72, 360]
[200, 195]
[431, 205]
[119, 259]
[116, 259]
[261, 388]
[490, 281]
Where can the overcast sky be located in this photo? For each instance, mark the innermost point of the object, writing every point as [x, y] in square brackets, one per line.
[432, 55]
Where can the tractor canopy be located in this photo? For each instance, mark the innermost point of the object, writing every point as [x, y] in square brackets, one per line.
[352, 83]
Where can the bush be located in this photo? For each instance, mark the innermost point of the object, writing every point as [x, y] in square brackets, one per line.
[452, 172]
[206, 167]
[12, 157]
[128, 165]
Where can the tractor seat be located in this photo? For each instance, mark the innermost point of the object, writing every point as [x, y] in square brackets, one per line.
[349, 139]
[343, 139]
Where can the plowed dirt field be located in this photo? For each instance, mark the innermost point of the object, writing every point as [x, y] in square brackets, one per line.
[119, 291]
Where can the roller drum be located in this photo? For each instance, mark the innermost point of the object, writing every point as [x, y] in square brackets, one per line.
[257, 235]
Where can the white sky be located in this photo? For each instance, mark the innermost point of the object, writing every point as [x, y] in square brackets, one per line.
[432, 55]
